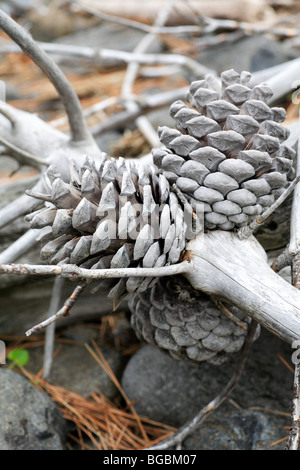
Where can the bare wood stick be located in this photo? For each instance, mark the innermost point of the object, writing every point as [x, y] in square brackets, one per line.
[143, 45]
[50, 330]
[145, 59]
[20, 247]
[144, 105]
[23, 157]
[74, 272]
[294, 250]
[95, 108]
[187, 429]
[97, 55]
[208, 24]
[61, 313]
[20, 206]
[237, 272]
[294, 434]
[280, 79]
[71, 102]
[294, 247]
[136, 24]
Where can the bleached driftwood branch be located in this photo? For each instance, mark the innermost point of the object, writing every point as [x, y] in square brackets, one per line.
[294, 256]
[237, 271]
[97, 56]
[219, 264]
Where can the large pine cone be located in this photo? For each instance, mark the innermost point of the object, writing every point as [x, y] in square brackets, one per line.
[186, 323]
[114, 215]
[227, 154]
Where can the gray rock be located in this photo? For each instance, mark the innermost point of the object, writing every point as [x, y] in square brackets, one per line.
[29, 419]
[173, 391]
[238, 430]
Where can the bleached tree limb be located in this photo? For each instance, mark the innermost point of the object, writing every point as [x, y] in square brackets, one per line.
[237, 271]
[221, 265]
[97, 56]
[294, 252]
[74, 272]
[207, 25]
[143, 106]
[19, 247]
[20, 206]
[71, 102]
[50, 330]
[33, 135]
[281, 78]
[294, 434]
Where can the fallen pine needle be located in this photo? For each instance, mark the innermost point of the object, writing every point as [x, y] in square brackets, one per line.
[285, 363]
[100, 424]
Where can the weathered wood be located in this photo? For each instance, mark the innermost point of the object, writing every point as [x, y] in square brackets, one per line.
[237, 271]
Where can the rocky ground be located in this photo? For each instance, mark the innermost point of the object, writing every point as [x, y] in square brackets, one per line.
[257, 414]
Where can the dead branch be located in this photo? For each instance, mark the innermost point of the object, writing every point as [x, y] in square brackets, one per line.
[20, 206]
[50, 331]
[294, 252]
[50, 321]
[19, 247]
[73, 272]
[237, 271]
[144, 105]
[97, 55]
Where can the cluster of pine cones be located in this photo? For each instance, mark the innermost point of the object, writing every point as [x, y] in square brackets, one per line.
[228, 160]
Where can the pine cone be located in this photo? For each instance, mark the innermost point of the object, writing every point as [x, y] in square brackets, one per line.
[227, 154]
[114, 216]
[186, 323]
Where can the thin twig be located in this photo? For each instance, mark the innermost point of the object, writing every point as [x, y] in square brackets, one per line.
[20, 206]
[245, 232]
[294, 250]
[71, 102]
[143, 105]
[188, 428]
[64, 311]
[73, 272]
[127, 95]
[294, 434]
[96, 55]
[208, 25]
[50, 330]
[95, 108]
[20, 247]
